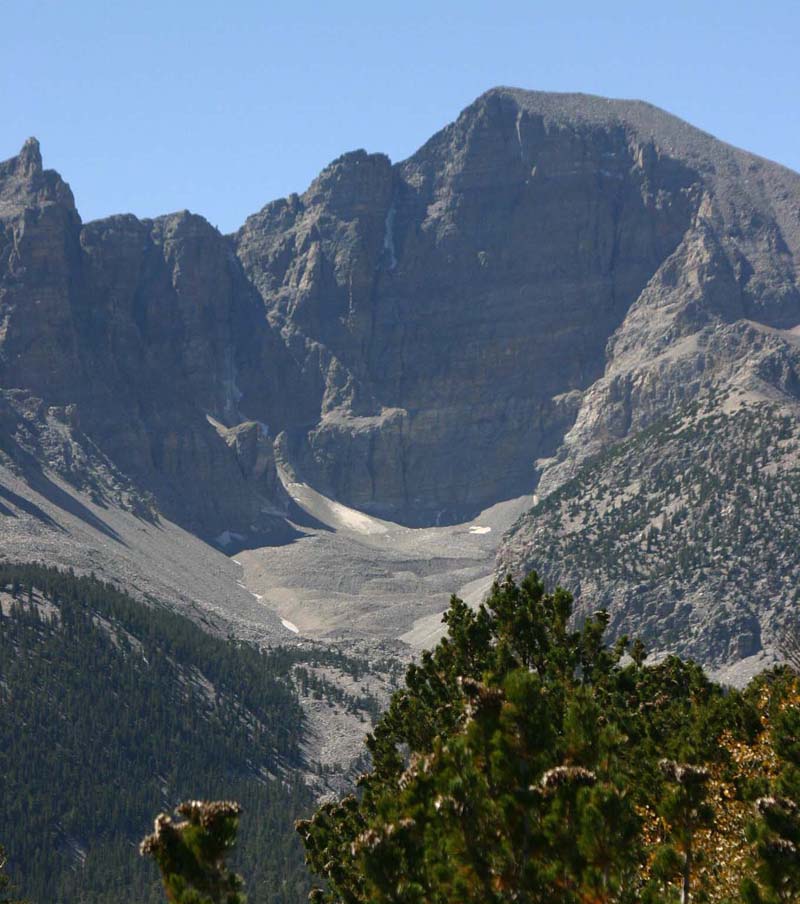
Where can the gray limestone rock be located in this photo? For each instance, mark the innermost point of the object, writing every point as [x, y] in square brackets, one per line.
[549, 276]
[442, 307]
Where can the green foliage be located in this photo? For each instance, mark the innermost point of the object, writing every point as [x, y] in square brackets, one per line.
[684, 809]
[518, 763]
[111, 711]
[6, 888]
[775, 832]
[705, 498]
[191, 854]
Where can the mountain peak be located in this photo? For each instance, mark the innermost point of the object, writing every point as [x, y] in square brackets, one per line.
[26, 165]
[24, 182]
[30, 157]
[574, 108]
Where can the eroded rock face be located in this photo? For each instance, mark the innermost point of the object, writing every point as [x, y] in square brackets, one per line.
[661, 514]
[547, 275]
[448, 306]
[146, 330]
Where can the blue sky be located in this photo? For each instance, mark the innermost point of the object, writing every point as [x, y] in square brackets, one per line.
[149, 107]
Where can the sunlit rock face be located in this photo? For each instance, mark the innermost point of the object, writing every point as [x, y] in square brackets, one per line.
[453, 306]
[530, 285]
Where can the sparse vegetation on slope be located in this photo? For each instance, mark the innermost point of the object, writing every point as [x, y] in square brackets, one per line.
[667, 528]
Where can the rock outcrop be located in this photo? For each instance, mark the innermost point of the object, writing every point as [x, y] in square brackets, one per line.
[450, 307]
[150, 335]
[549, 276]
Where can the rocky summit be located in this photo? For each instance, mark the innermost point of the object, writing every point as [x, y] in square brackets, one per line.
[559, 293]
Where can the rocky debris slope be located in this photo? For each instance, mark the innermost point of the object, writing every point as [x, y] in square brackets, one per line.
[546, 277]
[685, 532]
[348, 577]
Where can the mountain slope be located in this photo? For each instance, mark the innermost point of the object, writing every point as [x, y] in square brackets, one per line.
[458, 303]
[547, 276]
[686, 532]
[113, 710]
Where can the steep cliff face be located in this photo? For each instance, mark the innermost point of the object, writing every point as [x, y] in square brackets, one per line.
[548, 277]
[152, 338]
[38, 248]
[452, 306]
[432, 328]
[652, 506]
[738, 262]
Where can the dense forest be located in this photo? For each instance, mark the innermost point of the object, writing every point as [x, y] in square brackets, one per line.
[526, 760]
[112, 710]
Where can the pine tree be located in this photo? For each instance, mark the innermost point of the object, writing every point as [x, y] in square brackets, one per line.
[685, 810]
[496, 774]
[776, 832]
[191, 854]
[6, 888]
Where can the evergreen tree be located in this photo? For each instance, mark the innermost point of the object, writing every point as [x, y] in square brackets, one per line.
[684, 809]
[506, 769]
[108, 708]
[191, 854]
[776, 832]
[6, 887]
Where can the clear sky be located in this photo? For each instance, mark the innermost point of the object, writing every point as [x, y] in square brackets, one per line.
[219, 107]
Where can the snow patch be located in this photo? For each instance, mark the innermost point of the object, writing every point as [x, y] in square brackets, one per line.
[226, 538]
[388, 238]
[290, 626]
[332, 513]
[354, 519]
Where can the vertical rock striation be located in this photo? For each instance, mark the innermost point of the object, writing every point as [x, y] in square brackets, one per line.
[152, 336]
[448, 310]
[546, 278]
